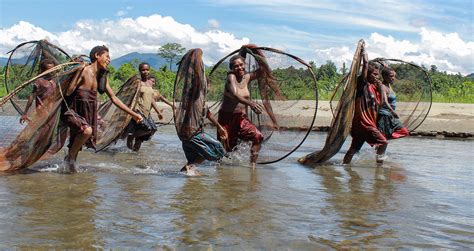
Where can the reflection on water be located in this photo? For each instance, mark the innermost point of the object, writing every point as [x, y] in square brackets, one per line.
[49, 210]
[422, 199]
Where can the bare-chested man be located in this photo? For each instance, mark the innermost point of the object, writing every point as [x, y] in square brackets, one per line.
[233, 112]
[80, 114]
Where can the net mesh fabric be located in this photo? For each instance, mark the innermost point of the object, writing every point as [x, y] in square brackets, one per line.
[412, 87]
[281, 97]
[189, 97]
[43, 135]
[113, 119]
[414, 97]
[343, 114]
[24, 64]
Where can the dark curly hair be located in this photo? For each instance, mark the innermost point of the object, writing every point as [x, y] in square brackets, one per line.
[102, 74]
[99, 49]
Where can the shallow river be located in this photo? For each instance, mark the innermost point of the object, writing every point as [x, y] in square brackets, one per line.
[422, 198]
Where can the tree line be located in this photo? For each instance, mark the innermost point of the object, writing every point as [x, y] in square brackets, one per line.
[295, 83]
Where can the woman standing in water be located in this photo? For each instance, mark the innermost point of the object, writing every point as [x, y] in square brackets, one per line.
[388, 120]
[145, 101]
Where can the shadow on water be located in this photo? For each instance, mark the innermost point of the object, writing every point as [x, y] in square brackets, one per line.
[49, 211]
[355, 195]
[214, 208]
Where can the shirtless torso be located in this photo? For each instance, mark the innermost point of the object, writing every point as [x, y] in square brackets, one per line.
[233, 88]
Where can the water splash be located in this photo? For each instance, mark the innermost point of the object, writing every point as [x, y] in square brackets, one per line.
[240, 155]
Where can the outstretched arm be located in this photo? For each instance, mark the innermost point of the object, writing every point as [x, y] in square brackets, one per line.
[159, 97]
[365, 63]
[243, 52]
[220, 129]
[162, 98]
[121, 105]
[157, 110]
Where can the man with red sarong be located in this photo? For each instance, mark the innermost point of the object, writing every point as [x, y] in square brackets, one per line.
[233, 112]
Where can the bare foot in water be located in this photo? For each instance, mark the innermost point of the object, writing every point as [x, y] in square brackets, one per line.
[379, 159]
[190, 170]
[70, 165]
[137, 145]
[253, 165]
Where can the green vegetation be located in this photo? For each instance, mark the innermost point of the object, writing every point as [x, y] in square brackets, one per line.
[3, 90]
[171, 51]
[446, 87]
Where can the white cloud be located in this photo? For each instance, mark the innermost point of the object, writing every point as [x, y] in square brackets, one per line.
[447, 51]
[121, 13]
[213, 23]
[338, 55]
[122, 36]
[21, 32]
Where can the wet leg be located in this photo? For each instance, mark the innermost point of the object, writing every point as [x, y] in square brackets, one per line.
[254, 150]
[130, 139]
[380, 157]
[349, 154]
[80, 140]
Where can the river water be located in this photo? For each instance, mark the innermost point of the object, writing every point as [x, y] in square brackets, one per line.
[423, 197]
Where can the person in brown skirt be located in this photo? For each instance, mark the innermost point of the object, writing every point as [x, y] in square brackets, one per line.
[80, 112]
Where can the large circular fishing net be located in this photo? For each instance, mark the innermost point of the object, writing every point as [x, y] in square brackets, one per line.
[23, 64]
[42, 135]
[287, 90]
[412, 87]
[189, 96]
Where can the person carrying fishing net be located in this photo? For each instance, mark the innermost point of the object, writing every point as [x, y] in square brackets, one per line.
[388, 120]
[145, 101]
[233, 111]
[42, 88]
[364, 123]
[80, 112]
[191, 87]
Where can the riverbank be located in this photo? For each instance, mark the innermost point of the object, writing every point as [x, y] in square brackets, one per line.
[444, 119]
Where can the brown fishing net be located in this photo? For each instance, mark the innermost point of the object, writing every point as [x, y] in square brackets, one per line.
[43, 134]
[189, 97]
[113, 120]
[24, 64]
[412, 87]
[284, 98]
[341, 123]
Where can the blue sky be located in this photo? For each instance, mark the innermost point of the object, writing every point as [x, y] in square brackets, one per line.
[425, 32]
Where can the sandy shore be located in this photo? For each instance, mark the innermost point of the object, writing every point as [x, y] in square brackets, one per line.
[443, 117]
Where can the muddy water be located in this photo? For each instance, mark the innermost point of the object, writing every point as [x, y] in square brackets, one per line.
[423, 198]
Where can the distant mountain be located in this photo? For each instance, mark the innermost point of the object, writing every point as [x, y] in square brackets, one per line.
[3, 61]
[470, 76]
[153, 59]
